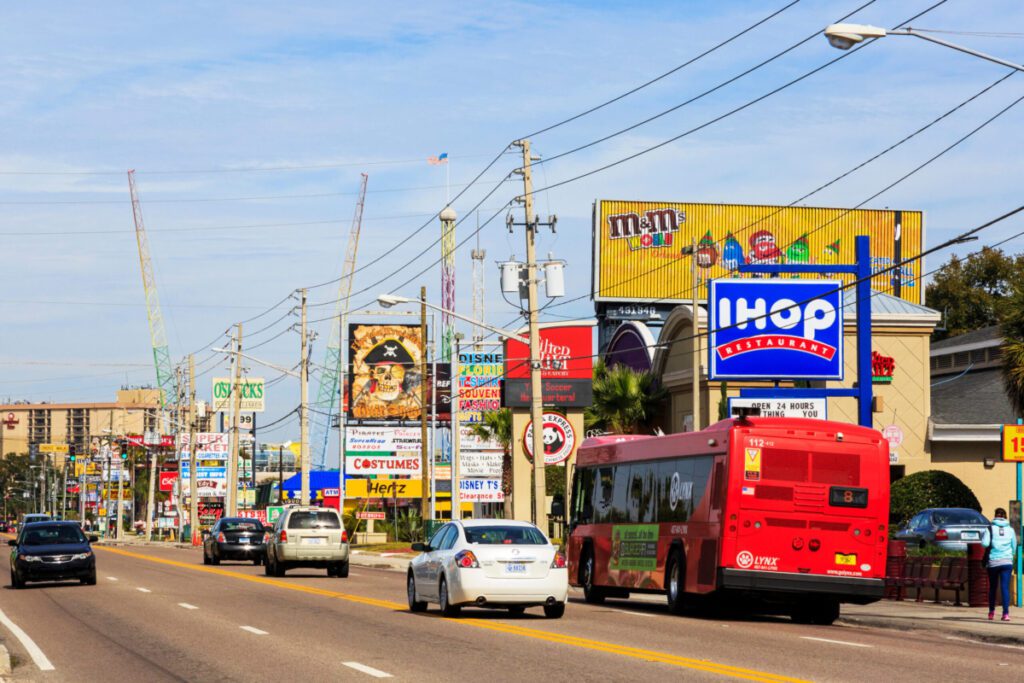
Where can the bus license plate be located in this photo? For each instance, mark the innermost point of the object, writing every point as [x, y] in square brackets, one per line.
[515, 568]
[850, 560]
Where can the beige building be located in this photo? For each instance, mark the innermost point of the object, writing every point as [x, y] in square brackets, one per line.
[135, 411]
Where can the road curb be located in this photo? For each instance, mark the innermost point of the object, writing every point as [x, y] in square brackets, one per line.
[397, 564]
[5, 661]
[876, 622]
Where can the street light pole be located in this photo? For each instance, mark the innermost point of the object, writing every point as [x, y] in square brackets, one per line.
[304, 407]
[424, 446]
[845, 36]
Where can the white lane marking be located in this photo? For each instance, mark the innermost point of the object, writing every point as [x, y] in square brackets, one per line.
[251, 629]
[143, 590]
[368, 670]
[111, 578]
[30, 645]
[186, 605]
[835, 642]
[628, 611]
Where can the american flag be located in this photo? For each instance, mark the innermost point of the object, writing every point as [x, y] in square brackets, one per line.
[748, 490]
[441, 158]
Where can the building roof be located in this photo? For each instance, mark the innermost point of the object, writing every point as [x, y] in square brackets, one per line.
[972, 398]
[992, 333]
[887, 306]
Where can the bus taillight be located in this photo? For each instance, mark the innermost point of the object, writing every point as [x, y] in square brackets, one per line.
[814, 545]
[798, 543]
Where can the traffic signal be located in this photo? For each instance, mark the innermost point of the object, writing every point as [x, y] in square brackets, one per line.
[71, 452]
[124, 450]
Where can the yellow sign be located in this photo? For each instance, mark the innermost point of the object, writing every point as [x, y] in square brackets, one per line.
[752, 464]
[850, 560]
[53, 448]
[1013, 443]
[638, 245]
[383, 488]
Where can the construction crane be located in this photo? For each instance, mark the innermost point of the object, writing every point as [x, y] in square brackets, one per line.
[165, 378]
[330, 376]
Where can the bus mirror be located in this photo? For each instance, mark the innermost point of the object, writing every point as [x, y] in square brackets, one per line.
[558, 506]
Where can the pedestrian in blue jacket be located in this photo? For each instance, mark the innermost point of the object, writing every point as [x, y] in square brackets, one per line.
[1001, 541]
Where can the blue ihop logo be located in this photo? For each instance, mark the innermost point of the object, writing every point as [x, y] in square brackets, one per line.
[776, 329]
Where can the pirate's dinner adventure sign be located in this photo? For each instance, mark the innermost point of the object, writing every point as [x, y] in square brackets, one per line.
[385, 372]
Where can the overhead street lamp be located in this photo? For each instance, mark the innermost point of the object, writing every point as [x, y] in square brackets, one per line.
[389, 300]
[845, 36]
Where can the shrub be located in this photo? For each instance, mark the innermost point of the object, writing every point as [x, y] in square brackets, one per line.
[929, 489]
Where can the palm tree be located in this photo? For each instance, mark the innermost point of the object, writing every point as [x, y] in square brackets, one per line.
[1013, 373]
[625, 400]
[497, 427]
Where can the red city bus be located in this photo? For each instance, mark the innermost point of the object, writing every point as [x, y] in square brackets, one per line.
[785, 511]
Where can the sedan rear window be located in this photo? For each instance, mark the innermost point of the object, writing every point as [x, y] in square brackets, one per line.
[52, 534]
[958, 517]
[241, 525]
[505, 535]
[314, 520]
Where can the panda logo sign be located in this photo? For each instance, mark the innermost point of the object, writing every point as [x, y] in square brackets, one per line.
[559, 439]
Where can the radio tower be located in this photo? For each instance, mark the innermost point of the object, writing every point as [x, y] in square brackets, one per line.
[330, 378]
[478, 256]
[165, 379]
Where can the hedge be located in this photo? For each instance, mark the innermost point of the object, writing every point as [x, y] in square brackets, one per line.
[928, 489]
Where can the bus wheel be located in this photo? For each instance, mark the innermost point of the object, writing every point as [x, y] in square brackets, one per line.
[675, 582]
[822, 613]
[591, 593]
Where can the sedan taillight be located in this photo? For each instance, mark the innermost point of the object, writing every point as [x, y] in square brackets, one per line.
[466, 559]
[941, 535]
[559, 560]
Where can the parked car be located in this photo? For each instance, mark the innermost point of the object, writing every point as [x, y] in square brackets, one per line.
[488, 563]
[235, 538]
[52, 551]
[307, 536]
[30, 517]
[948, 528]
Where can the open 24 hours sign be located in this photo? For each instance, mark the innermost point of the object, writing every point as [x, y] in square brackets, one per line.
[776, 329]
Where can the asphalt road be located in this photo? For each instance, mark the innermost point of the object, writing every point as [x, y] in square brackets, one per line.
[159, 614]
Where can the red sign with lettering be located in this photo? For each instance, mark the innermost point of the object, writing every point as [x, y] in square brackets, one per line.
[565, 353]
[882, 367]
[167, 480]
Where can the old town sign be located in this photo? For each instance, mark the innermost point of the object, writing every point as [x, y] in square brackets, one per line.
[776, 329]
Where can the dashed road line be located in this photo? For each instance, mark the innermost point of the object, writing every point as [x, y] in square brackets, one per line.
[143, 590]
[834, 642]
[254, 630]
[26, 642]
[111, 578]
[368, 670]
[186, 605]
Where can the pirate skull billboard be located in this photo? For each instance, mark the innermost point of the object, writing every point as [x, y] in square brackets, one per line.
[385, 367]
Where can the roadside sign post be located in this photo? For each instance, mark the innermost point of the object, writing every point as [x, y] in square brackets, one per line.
[1013, 451]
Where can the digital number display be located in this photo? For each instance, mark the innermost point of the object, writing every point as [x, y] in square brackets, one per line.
[844, 496]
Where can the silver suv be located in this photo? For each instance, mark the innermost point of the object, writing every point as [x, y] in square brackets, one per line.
[308, 536]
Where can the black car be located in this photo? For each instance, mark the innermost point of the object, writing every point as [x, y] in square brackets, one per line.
[52, 551]
[235, 538]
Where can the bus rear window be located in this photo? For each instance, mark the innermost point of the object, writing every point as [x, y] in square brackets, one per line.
[836, 468]
[784, 465]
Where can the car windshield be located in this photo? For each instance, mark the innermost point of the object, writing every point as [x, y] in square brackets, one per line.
[505, 535]
[948, 517]
[51, 534]
[241, 525]
[314, 520]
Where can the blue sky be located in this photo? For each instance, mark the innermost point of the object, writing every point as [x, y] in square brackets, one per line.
[220, 91]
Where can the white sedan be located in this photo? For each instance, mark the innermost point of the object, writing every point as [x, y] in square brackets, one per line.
[488, 563]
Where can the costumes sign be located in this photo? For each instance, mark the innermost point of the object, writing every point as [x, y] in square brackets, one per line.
[776, 329]
[383, 463]
[385, 375]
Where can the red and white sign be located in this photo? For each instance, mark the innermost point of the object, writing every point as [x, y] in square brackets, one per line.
[481, 491]
[566, 352]
[559, 439]
[894, 435]
[371, 514]
[402, 463]
[167, 480]
[254, 514]
[166, 440]
[10, 420]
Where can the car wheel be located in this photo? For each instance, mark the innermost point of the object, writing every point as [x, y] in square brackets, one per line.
[675, 582]
[16, 581]
[257, 561]
[591, 593]
[517, 611]
[206, 558]
[343, 570]
[278, 568]
[90, 580]
[266, 566]
[214, 560]
[410, 589]
[332, 569]
[447, 609]
[554, 611]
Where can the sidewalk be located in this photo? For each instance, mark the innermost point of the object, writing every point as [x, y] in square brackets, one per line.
[955, 622]
[398, 562]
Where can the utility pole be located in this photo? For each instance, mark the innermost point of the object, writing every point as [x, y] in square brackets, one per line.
[540, 517]
[304, 407]
[456, 441]
[424, 446]
[236, 410]
[119, 529]
[193, 470]
[695, 369]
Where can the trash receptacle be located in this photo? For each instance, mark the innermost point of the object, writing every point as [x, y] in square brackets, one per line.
[895, 561]
[977, 576]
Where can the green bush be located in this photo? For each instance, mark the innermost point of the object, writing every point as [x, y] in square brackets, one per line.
[928, 489]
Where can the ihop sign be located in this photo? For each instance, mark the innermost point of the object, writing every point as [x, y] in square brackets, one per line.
[776, 329]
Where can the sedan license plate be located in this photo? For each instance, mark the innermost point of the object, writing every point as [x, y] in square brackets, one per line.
[315, 541]
[244, 540]
[515, 568]
[968, 535]
[844, 559]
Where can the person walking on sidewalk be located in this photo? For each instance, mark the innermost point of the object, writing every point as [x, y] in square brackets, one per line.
[1001, 544]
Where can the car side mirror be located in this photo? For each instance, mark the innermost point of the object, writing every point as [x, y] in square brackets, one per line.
[94, 539]
[421, 547]
[12, 542]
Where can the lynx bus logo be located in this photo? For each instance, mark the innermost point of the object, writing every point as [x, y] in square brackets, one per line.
[776, 329]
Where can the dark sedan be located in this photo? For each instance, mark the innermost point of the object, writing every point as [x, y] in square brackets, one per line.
[235, 538]
[52, 551]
